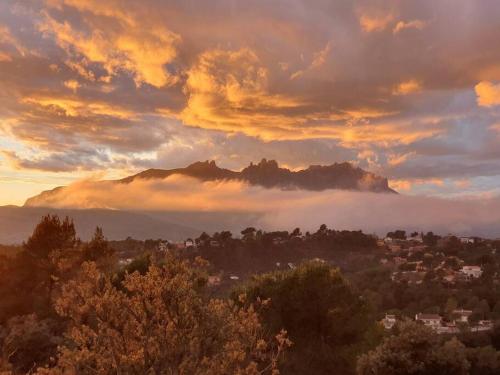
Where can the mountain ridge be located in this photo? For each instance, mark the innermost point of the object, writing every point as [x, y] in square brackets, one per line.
[266, 173]
[269, 174]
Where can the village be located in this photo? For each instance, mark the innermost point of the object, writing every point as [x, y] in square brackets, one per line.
[454, 266]
[413, 262]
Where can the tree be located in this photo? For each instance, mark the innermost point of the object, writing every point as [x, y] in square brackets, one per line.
[97, 248]
[49, 235]
[27, 342]
[28, 280]
[430, 239]
[397, 234]
[484, 361]
[326, 320]
[248, 233]
[203, 239]
[451, 305]
[160, 323]
[415, 349]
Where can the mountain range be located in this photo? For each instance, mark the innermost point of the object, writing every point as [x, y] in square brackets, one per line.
[268, 174]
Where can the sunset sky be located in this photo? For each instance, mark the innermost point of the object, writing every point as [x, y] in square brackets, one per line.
[407, 89]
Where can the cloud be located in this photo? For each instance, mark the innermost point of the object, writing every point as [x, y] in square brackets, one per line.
[286, 209]
[488, 94]
[72, 84]
[407, 87]
[157, 83]
[376, 22]
[140, 48]
[318, 60]
[228, 90]
[413, 24]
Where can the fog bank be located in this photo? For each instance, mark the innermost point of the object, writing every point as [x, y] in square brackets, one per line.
[278, 209]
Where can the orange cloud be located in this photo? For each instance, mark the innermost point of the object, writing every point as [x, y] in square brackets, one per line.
[5, 56]
[396, 159]
[407, 184]
[488, 94]
[72, 85]
[407, 87]
[139, 48]
[414, 24]
[76, 107]
[377, 22]
[228, 90]
[319, 59]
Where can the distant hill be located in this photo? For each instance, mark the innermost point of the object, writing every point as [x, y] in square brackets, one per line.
[268, 174]
[17, 223]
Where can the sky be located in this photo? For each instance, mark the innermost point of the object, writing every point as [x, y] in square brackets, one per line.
[407, 89]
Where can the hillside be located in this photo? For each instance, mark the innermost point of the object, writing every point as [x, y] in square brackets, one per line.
[16, 223]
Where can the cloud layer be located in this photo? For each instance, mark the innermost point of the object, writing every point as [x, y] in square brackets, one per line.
[108, 85]
[277, 209]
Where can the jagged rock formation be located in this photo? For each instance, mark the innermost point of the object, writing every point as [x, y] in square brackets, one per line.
[268, 174]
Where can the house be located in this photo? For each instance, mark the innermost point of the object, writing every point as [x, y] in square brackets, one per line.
[214, 280]
[485, 323]
[431, 320]
[472, 271]
[450, 278]
[461, 315]
[418, 238]
[448, 328]
[189, 243]
[389, 321]
[394, 248]
[124, 262]
[180, 246]
[482, 325]
[163, 246]
[466, 240]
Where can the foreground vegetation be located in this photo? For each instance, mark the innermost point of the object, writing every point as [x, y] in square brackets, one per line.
[75, 307]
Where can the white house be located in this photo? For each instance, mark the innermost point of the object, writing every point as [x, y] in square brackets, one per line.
[449, 328]
[163, 246]
[418, 238]
[472, 271]
[482, 325]
[389, 321]
[466, 240]
[461, 315]
[431, 320]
